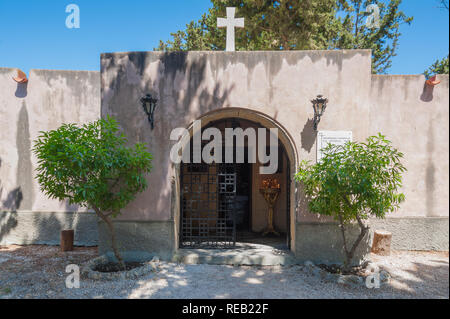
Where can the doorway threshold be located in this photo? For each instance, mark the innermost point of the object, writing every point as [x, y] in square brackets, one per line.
[251, 254]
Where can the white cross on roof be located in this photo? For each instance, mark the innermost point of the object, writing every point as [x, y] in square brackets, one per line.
[230, 23]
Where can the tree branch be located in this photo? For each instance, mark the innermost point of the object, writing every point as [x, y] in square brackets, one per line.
[341, 224]
[363, 232]
[110, 225]
[357, 21]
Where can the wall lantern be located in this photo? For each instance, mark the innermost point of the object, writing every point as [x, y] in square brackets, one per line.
[149, 105]
[319, 105]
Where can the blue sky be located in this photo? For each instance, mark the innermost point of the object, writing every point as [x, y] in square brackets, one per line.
[33, 34]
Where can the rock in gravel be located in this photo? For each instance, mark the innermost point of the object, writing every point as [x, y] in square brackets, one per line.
[350, 280]
[347, 280]
[384, 276]
[315, 270]
[155, 259]
[331, 277]
[371, 268]
[154, 263]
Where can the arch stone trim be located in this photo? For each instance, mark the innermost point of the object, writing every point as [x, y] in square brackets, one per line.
[254, 116]
[265, 121]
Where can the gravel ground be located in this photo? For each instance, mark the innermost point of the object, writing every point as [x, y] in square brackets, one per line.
[39, 272]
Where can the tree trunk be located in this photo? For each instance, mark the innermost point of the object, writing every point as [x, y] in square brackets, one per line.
[350, 253]
[110, 225]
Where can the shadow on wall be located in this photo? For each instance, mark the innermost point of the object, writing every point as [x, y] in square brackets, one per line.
[427, 93]
[24, 166]
[173, 62]
[36, 229]
[47, 228]
[430, 180]
[194, 71]
[43, 225]
[308, 135]
[8, 221]
[183, 95]
[8, 216]
[175, 101]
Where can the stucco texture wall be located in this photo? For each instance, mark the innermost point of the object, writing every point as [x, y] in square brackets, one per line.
[49, 99]
[415, 117]
[188, 85]
[279, 85]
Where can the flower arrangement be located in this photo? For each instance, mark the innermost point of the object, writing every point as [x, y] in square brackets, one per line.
[268, 183]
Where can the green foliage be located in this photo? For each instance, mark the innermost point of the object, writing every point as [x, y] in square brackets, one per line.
[91, 165]
[438, 67]
[269, 25]
[5, 291]
[354, 33]
[355, 180]
[297, 25]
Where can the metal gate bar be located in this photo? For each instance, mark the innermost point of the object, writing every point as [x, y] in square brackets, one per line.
[208, 194]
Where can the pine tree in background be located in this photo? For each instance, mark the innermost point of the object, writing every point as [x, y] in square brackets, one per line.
[299, 25]
[438, 67]
[381, 35]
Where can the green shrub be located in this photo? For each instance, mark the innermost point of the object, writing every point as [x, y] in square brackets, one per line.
[91, 166]
[353, 182]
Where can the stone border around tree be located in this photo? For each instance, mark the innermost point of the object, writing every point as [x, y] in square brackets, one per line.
[89, 272]
[347, 280]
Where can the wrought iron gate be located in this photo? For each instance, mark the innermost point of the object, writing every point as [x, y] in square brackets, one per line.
[208, 194]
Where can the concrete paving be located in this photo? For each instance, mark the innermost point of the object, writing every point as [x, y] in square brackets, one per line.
[243, 254]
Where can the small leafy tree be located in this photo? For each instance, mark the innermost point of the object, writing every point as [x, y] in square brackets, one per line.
[353, 182]
[92, 167]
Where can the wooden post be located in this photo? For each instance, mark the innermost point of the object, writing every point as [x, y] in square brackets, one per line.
[67, 240]
[382, 243]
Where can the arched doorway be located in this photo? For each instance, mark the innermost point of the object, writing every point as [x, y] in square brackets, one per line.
[220, 203]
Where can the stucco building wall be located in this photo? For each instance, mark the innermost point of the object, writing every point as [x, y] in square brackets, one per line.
[49, 99]
[415, 117]
[272, 88]
[281, 85]
[188, 85]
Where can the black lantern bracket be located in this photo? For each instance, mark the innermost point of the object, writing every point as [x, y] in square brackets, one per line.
[319, 106]
[149, 106]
